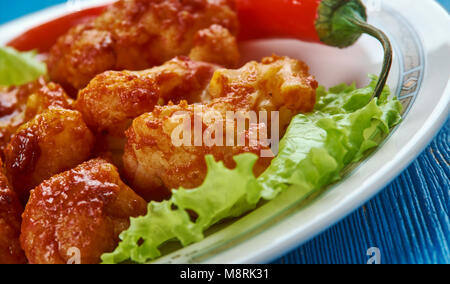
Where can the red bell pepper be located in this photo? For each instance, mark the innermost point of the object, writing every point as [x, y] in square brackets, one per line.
[333, 22]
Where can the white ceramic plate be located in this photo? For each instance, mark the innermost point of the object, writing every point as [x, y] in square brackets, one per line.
[419, 30]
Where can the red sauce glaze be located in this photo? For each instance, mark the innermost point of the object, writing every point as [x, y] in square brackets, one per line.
[43, 37]
[28, 152]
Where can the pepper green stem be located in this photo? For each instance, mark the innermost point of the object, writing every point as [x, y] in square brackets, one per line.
[342, 22]
[387, 62]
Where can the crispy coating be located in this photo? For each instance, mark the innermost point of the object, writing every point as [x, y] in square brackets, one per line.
[54, 141]
[135, 35]
[113, 99]
[276, 84]
[10, 220]
[85, 208]
[216, 44]
[154, 163]
[19, 105]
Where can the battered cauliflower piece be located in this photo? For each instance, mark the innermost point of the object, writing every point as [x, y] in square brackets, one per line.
[10, 220]
[79, 211]
[216, 44]
[136, 35]
[155, 164]
[54, 141]
[113, 99]
[276, 84]
[19, 105]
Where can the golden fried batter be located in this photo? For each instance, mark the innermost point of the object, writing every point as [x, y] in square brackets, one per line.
[216, 44]
[10, 220]
[135, 35]
[276, 84]
[54, 141]
[154, 164]
[19, 105]
[83, 209]
[113, 99]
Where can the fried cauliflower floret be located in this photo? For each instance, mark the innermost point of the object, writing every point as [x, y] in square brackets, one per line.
[276, 84]
[216, 44]
[155, 163]
[10, 220]
[19, 105]
[135, 35]
[113, 99]
[54, 141]
[82, 210]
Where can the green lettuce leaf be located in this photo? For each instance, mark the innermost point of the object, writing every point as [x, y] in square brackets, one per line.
[313, 153]
[318, 146]
[18, 68]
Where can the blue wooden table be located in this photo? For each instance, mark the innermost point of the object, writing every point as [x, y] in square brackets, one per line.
[408, 222]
